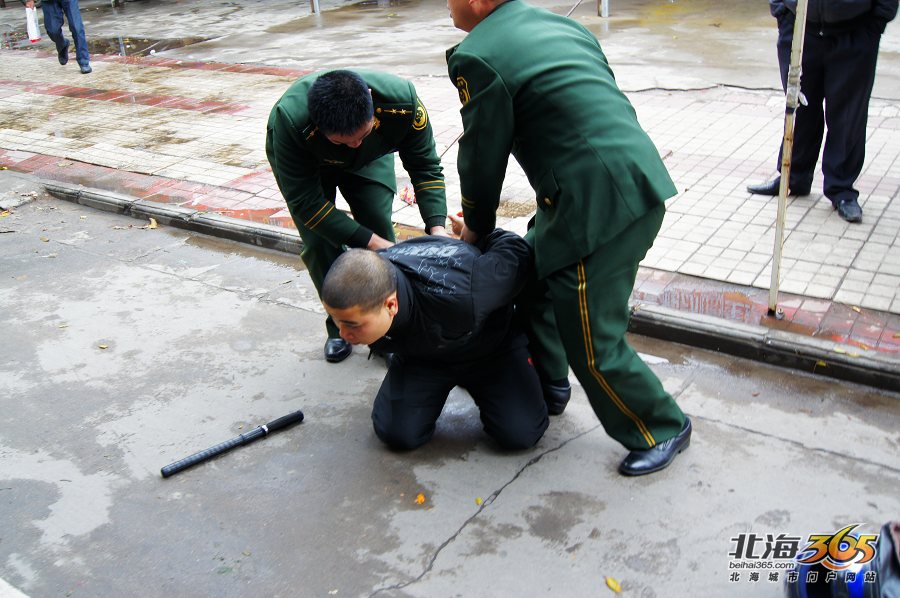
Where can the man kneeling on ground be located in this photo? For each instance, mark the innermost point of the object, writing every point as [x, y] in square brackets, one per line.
[444, 309]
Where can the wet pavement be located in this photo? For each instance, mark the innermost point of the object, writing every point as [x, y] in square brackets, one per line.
[179, 121]
[128, 347]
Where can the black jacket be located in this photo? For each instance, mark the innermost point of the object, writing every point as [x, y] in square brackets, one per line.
[840, 14]
[455, 301]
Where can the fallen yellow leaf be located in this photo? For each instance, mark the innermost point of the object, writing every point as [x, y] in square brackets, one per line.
[420, 498]
[822, 364]
[63, 326]
[103, 346]
[856, 309]
[45, 239]
[613, 585]
[838, 350]
[478, 500]
[4, 213]
[153, 223]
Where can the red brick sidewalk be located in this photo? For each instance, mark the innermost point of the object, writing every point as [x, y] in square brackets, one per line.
[255, 197]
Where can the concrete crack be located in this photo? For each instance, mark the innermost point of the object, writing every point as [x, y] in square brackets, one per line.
[487, 502]
[797, 443]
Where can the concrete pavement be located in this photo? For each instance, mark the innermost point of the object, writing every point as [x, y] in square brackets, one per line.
[127, 347]
[184, 128]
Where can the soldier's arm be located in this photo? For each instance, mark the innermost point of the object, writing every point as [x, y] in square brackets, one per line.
[296, 171]
[420, 160]
[501, 270]
[487, 115]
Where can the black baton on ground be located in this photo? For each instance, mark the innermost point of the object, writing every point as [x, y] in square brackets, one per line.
[224, 447]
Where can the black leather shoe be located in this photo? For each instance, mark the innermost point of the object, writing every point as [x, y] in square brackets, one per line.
[337, 349]
[63, 54]
[658, 457]
[556, 396]
[772, 187]
[849, 210]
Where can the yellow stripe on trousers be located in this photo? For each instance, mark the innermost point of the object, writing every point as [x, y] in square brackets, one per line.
[589, 352]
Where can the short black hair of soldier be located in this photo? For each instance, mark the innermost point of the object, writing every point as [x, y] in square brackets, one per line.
[359, 278]
[340, 102]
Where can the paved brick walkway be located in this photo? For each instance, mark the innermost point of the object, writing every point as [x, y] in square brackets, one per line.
[192, 134]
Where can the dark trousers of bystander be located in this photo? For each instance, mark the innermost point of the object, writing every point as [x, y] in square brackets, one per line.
[54, 10]
[837, 76]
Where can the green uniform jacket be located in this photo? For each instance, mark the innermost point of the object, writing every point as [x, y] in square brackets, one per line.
[298, 153]
[537, 85]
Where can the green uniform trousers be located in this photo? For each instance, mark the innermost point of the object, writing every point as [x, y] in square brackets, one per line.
[581, 312]
[371, 205]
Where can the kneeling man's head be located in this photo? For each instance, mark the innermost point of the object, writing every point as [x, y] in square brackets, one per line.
[360, 295]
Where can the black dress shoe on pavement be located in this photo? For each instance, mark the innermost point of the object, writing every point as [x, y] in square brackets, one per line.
[660, 456]
[85, 69]
[556, 395]
[63, 54]
[849, 210]
[772, 187]
[337, 349]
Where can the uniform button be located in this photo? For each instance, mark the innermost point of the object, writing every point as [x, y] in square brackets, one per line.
[548, 201]
[378, 110]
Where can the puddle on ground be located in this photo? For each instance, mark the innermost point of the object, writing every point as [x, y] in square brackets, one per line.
[352, 12]
[138, 46]
[381, 3]
[14, 40]
[244, 250]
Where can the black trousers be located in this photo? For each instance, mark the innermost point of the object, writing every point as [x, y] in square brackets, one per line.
[837, 76]
[505, 388]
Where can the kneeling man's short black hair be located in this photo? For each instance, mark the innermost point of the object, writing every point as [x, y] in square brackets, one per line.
[340, 102]
[359, 278]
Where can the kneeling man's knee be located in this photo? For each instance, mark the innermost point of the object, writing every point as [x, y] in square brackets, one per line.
[519, 438]
[401, 439]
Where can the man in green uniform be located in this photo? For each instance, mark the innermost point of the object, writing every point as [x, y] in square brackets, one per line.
[339, 130]
[537, 85]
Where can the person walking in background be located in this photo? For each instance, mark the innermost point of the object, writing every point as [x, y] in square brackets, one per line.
[537, 85]
[54, 10]
[840, 51]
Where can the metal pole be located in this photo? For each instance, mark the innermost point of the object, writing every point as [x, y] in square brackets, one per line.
[314, 6]
[604, 8]
[792, 99]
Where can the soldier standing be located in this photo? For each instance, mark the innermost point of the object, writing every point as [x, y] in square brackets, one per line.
[537, 85]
